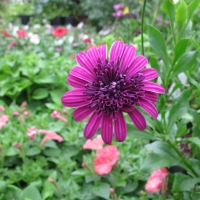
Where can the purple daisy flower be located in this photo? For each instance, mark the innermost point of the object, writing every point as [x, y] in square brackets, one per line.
[104, 88]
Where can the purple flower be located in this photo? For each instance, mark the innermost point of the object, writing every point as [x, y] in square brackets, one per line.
[59, 49]
[137, 31]
[118, 14]
[104, 88]
[118, 6]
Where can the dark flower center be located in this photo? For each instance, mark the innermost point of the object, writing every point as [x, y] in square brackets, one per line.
[113, 90]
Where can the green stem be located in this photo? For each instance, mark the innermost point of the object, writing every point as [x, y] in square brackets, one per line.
[142, 27]
[189, 166]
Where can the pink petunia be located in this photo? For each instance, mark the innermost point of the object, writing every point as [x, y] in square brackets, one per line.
[3, 120]
[105, 87]
[49, 135]
[156, 180]
[94, 144]
[22, 33]
[32, 132]
[106, 159]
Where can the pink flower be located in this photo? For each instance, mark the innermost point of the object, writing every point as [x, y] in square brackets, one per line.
[3, 120]
[94, 144]
[2, 108]
[104, 88]
[106, 158]
[17, 145]
[87, 40]
[32, 132]
[22, 33]
[118, 6]
[49, 135]
[156, 180]
[118, 14]
[56, 114]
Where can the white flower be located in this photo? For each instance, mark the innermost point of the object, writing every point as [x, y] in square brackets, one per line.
[70, 39]
[175, 1]
[35, 39]
[80, 25]
[58, 42]
[69, 26]
[26, 27]
[48, 26]
[36, 26]
[15, 29]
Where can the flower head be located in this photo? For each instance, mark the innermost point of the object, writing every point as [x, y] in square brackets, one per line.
[118, 14]
[119, 6]
[94, 144]
[59, 31]
[5, 33]
[3, 120]
[22, 33]
[106, 158]
[31, 132]
[104, 88]
[156, 180]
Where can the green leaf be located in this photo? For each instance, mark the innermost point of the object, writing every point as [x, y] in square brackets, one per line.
[31, 193]
[157, 42]
[2, 186]
[102, 190]
[33, 151]
[184, 183]
[192, 7]
[181, 16]
[154, 63]
[180, 48]
[40, 93]
[12, 192]
[169, 8]
[185, 62]
[194, 140]
[49, 188]
[161, 155]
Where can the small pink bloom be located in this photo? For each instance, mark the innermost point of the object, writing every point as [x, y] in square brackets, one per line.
[156, 180]
[84, 164]
[2, 108]
[15, 113]
[17, 145]
[22, 33]
[55, 114]
[32, 132]
[106, 158]
[118, 6]
[3, 120]
[95, 144]
[59, 49]
[49, 135]
[112, 191]
[87, 40]
[23, 104]
[118, 14]
[51, 180]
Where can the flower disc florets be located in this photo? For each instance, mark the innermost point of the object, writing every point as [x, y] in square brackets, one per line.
[104, 88]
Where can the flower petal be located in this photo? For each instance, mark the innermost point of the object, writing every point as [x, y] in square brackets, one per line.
[102, 52]
[82, 113]
[81, 73]
[84, 61]
[148, 107]
[76, 82]
[127, 57]
[92, 125]
[74, 98]
[107, 129]
[103, 168]
[150, 74]
[93, 54]
[138, 119]
[120, 127]
[117, 50]
[153, 87]
[138, 63]
[151, 96]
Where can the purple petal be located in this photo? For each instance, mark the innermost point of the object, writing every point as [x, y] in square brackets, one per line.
[74, 98]
[117, 50]
[128, 109]
[150, 74]
[151, 96]
[148, 107]
[81, 73]
[138, 63]
[92, 125]
[76, 82]
[82, 113]
[107, 129]
[127, 57]
[153, 87]
[84, 61]
[120, 127]
[138, 119]
[102, 52]
[93, 54]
